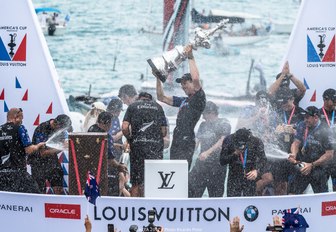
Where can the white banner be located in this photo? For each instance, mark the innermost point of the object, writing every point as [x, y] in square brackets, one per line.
[28, 75]
[311, 50]
[28, 212]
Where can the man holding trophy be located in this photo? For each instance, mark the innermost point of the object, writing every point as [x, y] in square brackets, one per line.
[190, 109]
[192, 106]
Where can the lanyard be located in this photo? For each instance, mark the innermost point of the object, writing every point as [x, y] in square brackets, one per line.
[306, 134]
[327, 118]
[290, 117]
[183, 103]
[243, 160]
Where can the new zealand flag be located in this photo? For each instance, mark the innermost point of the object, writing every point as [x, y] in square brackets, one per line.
[292, 221]
[91, 188]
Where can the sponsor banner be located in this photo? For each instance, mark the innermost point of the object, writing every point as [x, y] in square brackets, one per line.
[62, 211]
[28, 75]
[311, 50]
[67, 213]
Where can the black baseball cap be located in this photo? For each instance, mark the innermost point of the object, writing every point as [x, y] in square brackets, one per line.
[114, 105]
[240, 138]
[312, 111]
[329, 94]
[63, 121]
[104, 118]
[185, 77]
[145, 95]
[283, 95]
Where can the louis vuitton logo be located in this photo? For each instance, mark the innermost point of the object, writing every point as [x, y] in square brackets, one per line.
[166, 178]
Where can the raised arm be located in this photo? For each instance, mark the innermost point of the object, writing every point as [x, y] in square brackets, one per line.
[160, 93]
[193, 68]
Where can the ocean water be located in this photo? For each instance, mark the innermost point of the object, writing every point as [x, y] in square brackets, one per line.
[103, 47]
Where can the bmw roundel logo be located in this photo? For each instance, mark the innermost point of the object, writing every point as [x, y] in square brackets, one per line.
[251, 213]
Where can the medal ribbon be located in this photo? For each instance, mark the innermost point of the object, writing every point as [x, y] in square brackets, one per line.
[327, 118]
[290, 117]
[243, 159]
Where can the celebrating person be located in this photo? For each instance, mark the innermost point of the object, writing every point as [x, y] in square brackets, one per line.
[190, 110]
[245, 155]
[144, 126]
[44, 163]
[14, 145]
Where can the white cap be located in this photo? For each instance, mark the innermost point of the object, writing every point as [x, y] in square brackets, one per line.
[99, 105]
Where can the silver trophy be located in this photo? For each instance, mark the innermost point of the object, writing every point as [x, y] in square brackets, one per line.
[170, 60]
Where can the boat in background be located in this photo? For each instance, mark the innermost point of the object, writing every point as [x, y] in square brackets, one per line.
[51, 20]
[242, 28]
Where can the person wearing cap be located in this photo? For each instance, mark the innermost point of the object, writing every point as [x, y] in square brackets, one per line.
[207, 173]
[44, 163]
[92, 115]
[190, 110]
[289, 116]
[144, 125]
[245, 155]
[103, 125]
[261, 120]
[327, 113]
[283, 80]
[312, 148]
[128, 94]
[15, 145]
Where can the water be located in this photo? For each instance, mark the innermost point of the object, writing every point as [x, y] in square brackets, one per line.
[101, 31]
[57, 140]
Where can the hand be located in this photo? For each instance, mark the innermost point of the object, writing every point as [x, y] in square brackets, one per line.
[203, 156]
[292, 158]
[188, 51]
[252, 175]
[237, 152]
[122, 168]
[306, 170]
[41, 145]
[234, 225]
[87, 224]
[285, 68]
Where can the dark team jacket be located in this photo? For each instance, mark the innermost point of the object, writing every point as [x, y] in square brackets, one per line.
[255, 158]
[315, 144]
[190, 111]
[146, 119]
[12, 148]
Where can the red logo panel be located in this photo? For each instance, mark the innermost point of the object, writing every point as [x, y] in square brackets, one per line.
[62, 211]
[328, 208]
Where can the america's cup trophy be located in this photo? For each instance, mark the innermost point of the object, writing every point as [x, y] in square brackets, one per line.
[170, 60]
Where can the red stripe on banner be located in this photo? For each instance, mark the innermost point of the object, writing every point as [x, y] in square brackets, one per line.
[100, 160]
[20, 55]
[2, 95]
[25, 96]
[37, 121]
[313, 98]
[76, 167]
[330, 54]
[49, 110]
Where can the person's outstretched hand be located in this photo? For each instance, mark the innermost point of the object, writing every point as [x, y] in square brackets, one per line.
[87, 224]
[235, 225]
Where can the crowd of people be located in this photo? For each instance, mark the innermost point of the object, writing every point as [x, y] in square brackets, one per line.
[278, 148]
